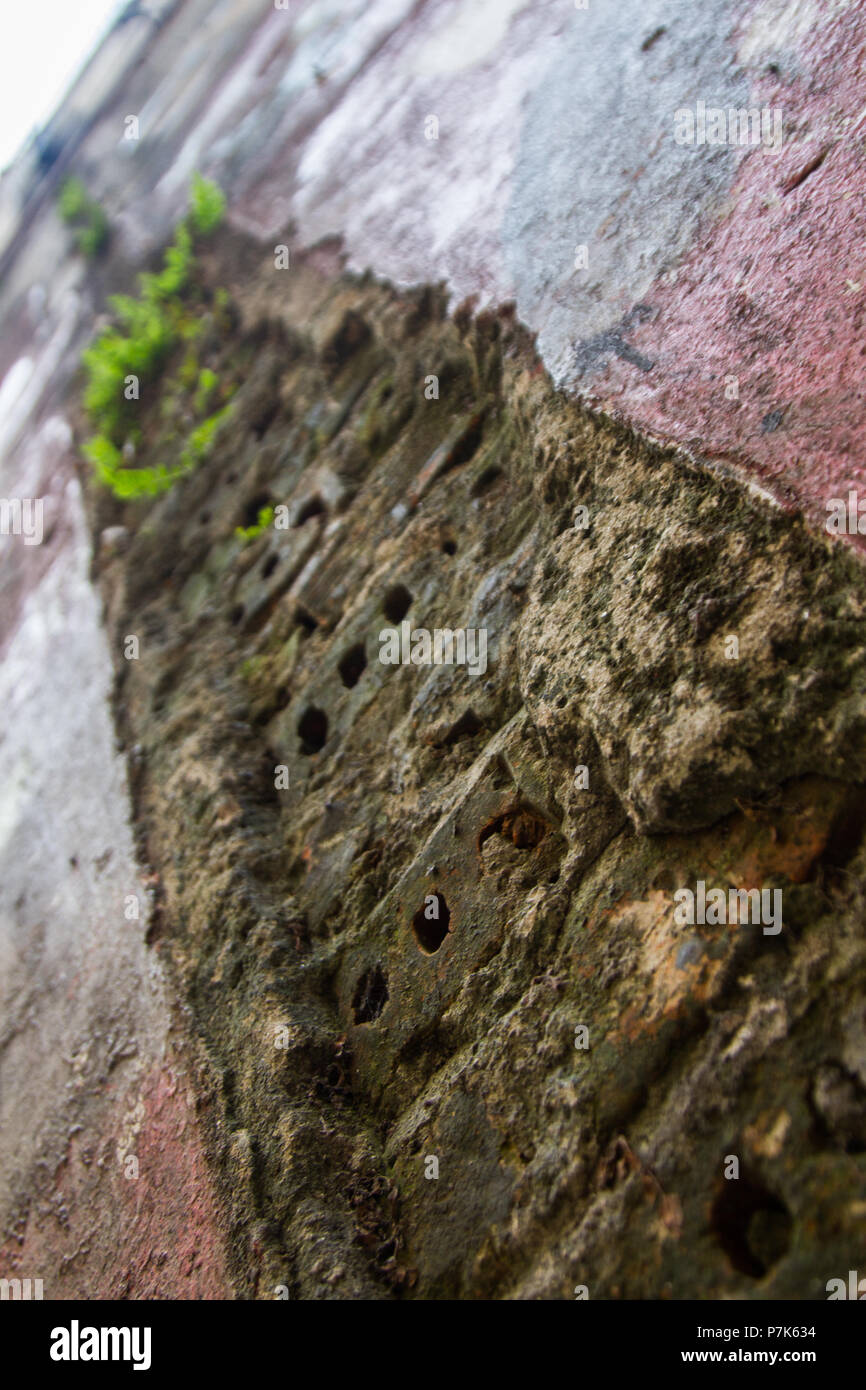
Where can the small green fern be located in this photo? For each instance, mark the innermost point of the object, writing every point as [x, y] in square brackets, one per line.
[148, 327]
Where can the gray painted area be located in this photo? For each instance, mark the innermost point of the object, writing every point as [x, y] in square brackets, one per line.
[598, 165]
[555, 129]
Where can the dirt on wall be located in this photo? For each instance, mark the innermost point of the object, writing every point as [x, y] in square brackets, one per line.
[424, 916]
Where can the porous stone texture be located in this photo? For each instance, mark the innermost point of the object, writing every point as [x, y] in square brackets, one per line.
[617, 747]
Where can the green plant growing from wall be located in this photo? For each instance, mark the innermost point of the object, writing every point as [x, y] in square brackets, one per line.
[207, 384]
[264, 519]
[147, 329]
[207, 205]
[79, 211]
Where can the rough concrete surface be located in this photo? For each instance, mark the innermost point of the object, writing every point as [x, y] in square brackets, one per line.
[390, 960]
[354, 1036]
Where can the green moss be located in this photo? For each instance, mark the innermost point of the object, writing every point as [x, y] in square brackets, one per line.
[207, 205]
[73, 200]
[79, 211]
[188, 371]
[174, 276]
[92, 238]
[126, 483]
[200, 442]
[252, 667]
[264, 520]
[132, 483]
[207, 384]
[148, 327]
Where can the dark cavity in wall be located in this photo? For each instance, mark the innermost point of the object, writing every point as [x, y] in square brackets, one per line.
[257, 504]
[314, 506]
[430, 931]
[467, 726]
[305, 619]
[485, 480]
[313, 730]
[397, 603]
[352, 665]
[371, 995]
[752, 1224]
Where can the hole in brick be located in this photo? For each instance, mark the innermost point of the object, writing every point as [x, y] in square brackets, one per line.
[430, 923]
[352, 665]
[485, 480]
[313, 730]
[351, 335]
[397, 603]
[269, 566]
[752, 1225]
[314, 506]
[236, 614]
[371, 995]
[253, 507]
[467, 445]
[846, 831]
[520, 825]
[305, 619]
[467, 726]
[265, 418]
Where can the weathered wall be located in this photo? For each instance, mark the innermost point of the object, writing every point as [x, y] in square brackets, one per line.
[304, 1166]
[353, 1036]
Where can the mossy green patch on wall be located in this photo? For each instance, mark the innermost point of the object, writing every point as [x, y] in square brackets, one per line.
[129, 358]
[81, 212]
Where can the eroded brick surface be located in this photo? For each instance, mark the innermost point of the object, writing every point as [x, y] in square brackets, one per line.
[349, 1040]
